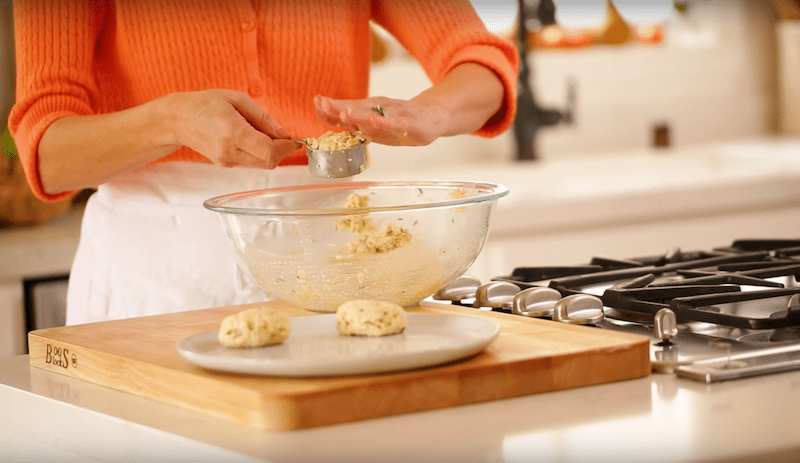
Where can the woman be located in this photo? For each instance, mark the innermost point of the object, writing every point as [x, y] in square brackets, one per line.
[153, 102]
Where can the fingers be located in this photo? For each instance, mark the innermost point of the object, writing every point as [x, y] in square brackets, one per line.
[237, 157]
[329, 113]
[397, 123]
[257, 117]
[252, 138]
[355, 114]
[270, 152]
[262, 157]
[252, 148]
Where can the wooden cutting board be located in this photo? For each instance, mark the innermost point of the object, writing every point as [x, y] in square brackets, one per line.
[529, 356]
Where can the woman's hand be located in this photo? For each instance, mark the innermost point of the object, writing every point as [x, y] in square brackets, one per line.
[468, 97]
[225, 126]
[384, 120]
[228, 128]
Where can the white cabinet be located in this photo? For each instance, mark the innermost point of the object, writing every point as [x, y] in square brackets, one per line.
[12, 321]
[30, 253]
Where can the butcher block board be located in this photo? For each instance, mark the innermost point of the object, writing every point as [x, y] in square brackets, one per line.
[529, 356]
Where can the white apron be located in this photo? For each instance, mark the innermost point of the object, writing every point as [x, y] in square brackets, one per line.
[148, 246]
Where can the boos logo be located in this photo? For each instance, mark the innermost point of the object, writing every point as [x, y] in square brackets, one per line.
[60, 357]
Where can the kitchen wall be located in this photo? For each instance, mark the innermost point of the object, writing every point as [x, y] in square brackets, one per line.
[711, 79]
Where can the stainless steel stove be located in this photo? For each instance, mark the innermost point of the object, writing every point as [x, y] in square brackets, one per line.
[727, 313]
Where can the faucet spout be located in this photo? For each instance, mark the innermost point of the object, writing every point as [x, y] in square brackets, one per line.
[531, 117]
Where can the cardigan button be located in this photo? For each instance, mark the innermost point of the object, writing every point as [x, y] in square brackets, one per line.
[256, 89]
[248, 25]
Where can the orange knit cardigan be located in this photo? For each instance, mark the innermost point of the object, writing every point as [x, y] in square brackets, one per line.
[98, 56]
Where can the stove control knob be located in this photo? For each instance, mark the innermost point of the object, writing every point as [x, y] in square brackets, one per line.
[537, 301]
[463, 288]
[496, 295]
[673, 255]
[579, 309]
[665, 326]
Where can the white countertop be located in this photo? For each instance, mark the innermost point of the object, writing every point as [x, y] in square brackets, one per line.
[49, 417]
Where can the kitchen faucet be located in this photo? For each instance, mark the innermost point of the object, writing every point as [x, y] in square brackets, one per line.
[530, 116]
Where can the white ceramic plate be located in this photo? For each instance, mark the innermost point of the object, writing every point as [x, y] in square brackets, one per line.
[315, 348]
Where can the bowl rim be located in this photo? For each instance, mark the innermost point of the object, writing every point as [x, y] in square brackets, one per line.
[493, 192]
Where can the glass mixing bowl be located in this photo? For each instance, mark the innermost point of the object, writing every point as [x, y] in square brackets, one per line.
[318, 246]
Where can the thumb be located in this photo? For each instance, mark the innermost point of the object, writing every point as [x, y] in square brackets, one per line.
[258, 118]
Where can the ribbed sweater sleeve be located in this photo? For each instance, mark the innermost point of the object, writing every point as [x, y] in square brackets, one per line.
[54, 43]
[441, 34]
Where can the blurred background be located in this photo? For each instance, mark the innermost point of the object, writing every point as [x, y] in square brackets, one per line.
[701, 71]
[643, 124]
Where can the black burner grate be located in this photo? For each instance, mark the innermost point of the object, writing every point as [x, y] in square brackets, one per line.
[749, 284]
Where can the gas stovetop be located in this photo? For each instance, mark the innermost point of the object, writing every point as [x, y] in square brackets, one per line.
[727, 313]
